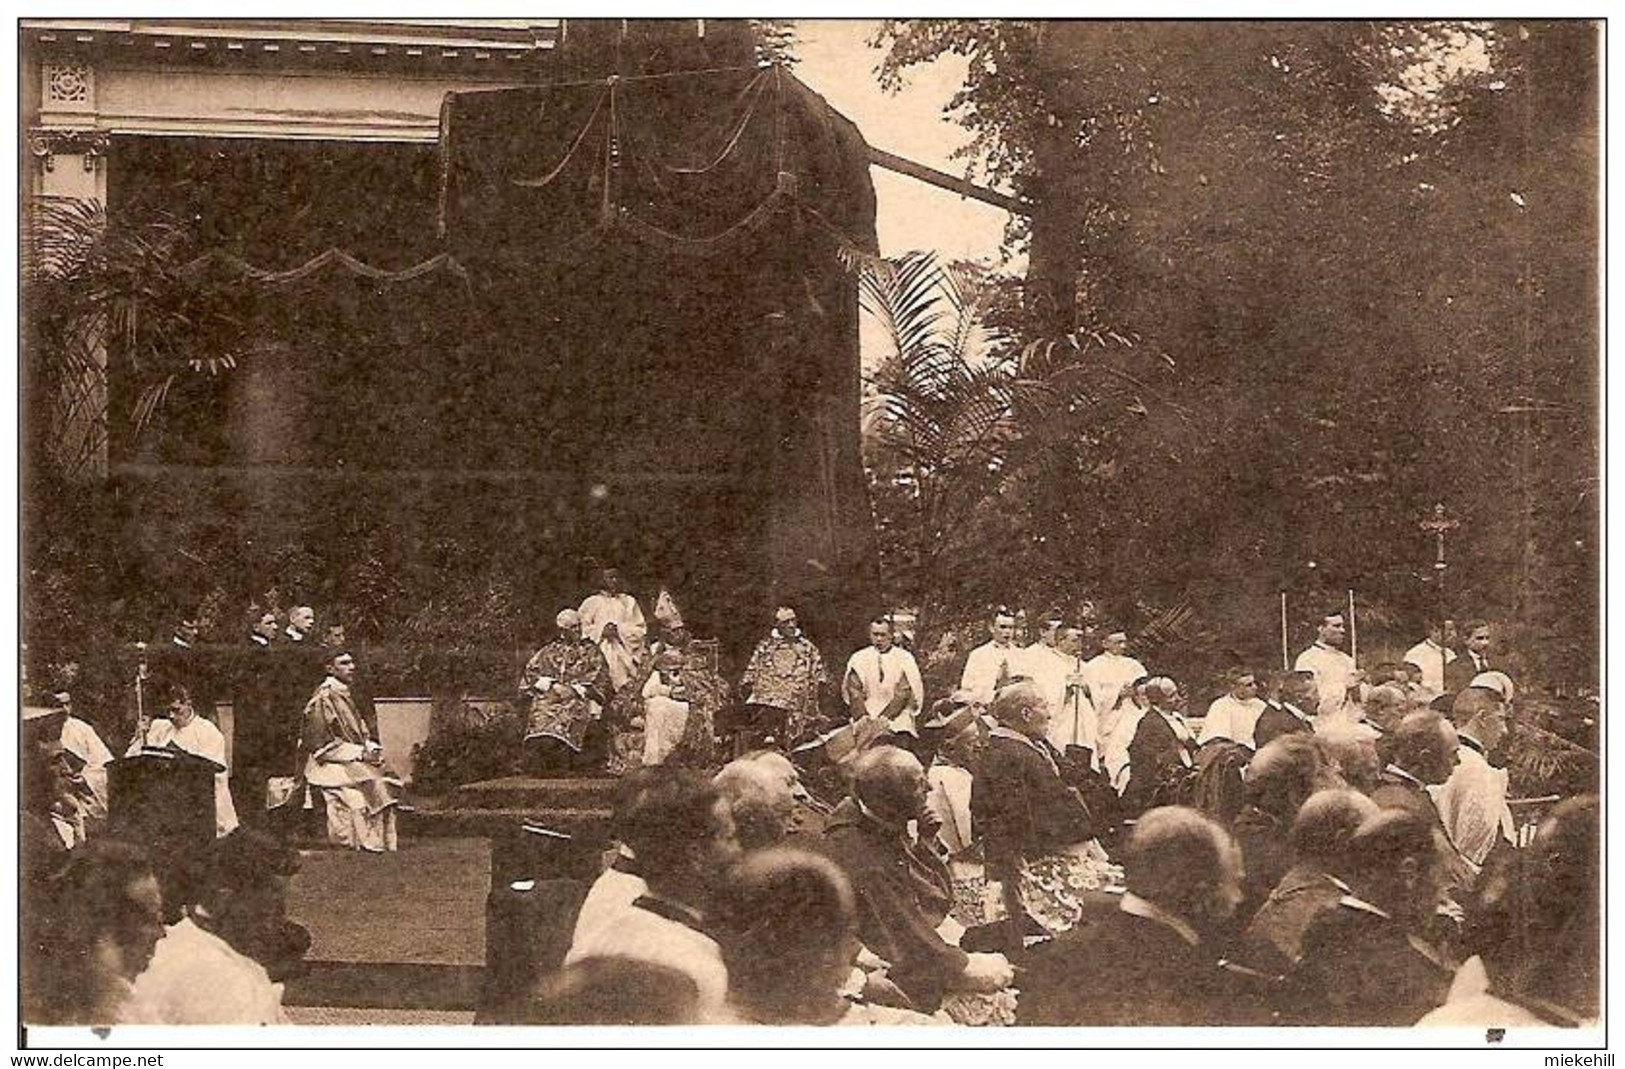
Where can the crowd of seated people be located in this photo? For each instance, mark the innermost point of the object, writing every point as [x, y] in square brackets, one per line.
[1321, 856]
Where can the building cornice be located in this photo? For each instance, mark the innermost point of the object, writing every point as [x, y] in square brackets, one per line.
[474, 43]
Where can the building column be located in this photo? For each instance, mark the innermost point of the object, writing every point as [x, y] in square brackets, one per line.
[67, 160]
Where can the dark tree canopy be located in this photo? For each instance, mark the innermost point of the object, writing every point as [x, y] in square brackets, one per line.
[1358, 263]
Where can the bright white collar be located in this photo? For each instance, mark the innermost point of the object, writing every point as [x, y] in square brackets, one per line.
[258, 639]
[1402, 774]
[295, 634]
[334, 683]
[181, 642]
[1354, 901]
[1135, 906]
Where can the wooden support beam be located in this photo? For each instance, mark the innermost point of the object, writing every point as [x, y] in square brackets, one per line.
[943, 180]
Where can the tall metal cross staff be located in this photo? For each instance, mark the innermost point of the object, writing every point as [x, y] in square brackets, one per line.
[1438, 525]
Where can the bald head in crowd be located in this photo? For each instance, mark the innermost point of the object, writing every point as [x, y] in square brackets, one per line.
[760, 794]
[1161, 692]
[1424, 745]
[1324, 826]
[1184, 862]
[1394, 863]
[1350, 757]
[1481, 714]
[1297, 689]
[1385, 705]
[890, 783]
[1284, 773]
[1021, 708]
[787, 924]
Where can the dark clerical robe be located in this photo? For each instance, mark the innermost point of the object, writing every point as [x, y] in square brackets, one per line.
[1119, 967]
[1361, 969]
[1277, 720]
[904, 892]
[1021, 807]
[1161, 759]
[567, 683]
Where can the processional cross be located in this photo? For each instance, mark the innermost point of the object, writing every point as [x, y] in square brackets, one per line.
[1438, 525]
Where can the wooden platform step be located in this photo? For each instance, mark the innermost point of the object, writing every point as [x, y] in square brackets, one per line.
[527, 792]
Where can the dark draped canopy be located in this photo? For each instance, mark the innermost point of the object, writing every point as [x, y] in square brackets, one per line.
[633, 339]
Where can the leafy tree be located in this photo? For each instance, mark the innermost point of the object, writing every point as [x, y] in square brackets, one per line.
[1326, 241]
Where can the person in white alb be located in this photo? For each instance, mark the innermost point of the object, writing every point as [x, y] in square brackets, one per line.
[997, 662]
[182, 729]
[1433, 654]
[1472, 803]
[81, 740]
[1057, 672]
[682, 837]
[1333, 669]
[1234, 714]
[1109, 679]
[883, 681]
[605, 616]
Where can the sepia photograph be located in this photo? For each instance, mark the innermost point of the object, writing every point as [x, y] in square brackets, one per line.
[1055, 531]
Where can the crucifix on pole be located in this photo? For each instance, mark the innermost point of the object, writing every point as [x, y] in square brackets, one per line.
[1438, 525]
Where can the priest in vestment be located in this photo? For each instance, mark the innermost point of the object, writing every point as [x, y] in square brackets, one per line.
[883, 681]
[782, 684]
[606, 618]
[565, 684]
[345, 764]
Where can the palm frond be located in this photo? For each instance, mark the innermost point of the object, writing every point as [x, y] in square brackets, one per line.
[102, 291]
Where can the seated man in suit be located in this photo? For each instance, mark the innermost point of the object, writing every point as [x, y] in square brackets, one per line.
[1290, 708]
[1365, 963]
[1320, 839]
[1422, 752]
[1278, 781]
[903, 889]
[1162, 754]
[1150, 957]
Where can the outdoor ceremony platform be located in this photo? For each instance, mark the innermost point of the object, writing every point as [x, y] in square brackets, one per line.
[402, 938]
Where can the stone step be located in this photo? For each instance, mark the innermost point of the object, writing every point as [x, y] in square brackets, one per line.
[500, 823]
[519, 792]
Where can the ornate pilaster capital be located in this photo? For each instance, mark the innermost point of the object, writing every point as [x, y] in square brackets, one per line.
[47, 143]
